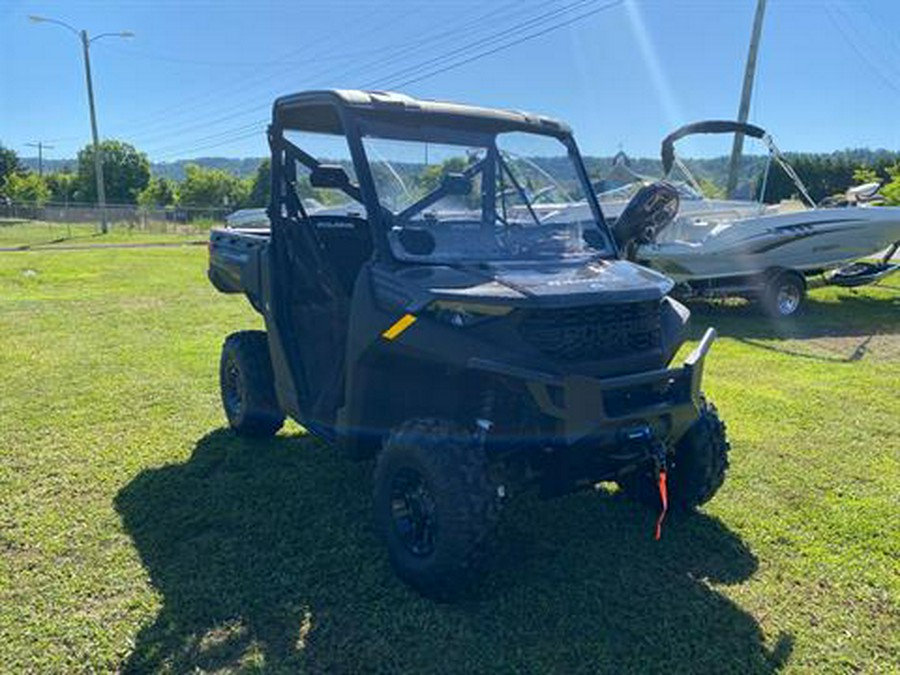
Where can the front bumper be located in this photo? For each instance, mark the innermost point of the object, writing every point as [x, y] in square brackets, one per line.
[666, 400]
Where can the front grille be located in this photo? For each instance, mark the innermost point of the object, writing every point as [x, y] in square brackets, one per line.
[594, 333]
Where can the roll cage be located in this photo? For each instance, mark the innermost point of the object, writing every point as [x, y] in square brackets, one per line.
[352, 114]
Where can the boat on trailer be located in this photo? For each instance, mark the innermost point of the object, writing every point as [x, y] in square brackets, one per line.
[745, 247]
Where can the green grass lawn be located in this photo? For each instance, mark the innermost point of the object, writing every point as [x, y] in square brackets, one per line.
[137, 534]
[38, 234]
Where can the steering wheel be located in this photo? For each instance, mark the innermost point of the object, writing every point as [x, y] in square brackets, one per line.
[651, 210]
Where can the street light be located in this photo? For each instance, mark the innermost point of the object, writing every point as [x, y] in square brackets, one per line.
[98, 159]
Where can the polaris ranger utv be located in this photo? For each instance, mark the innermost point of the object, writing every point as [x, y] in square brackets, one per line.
[440, 289]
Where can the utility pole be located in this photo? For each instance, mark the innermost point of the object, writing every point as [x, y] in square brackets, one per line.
[744, 110]
[40, 145]
[98, 157]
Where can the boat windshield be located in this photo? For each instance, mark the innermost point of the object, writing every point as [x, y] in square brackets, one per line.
[760, 174]
[624, 193]
[482, 197]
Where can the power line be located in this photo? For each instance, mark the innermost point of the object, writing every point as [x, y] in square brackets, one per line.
[164, 115]
[256, 133]
[257, 124]
[166, 58]
[393, 55]
[523, 25]
[444, 62]
[873, 65]
[433, 39]
[874, 19]
[866, 41]
[509, 45]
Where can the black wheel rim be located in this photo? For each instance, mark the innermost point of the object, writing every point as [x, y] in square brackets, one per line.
[231, 388]
[413, 512]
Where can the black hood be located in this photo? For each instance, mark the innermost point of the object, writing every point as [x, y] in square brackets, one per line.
[541, 284]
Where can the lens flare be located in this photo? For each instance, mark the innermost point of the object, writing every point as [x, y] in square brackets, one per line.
[672, 109]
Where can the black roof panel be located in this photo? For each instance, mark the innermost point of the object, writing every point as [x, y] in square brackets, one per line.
[314, 111]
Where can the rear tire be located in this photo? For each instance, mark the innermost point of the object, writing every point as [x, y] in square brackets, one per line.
[247, 385]
[435, 505]
[697, 470]
[783, 294]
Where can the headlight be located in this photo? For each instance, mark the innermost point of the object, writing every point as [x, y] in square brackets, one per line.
[463, 314]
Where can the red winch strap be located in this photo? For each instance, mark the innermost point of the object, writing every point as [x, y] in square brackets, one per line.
[664, 499]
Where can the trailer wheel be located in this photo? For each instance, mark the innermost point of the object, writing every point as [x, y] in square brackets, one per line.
[247, 385]
[697, 470]
[435, 505]
[783, 294]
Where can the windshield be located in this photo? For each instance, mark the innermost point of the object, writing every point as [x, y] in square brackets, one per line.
[323, 149]
[513, 196]
[702, 171]
[624, 193]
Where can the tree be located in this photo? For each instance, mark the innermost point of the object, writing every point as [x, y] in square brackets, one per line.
[711, 190]
[126, 172]
[205, 188]
[891, 191]
[160, 191]
[865, 174]
[26, 188]
[9, 163]
[432, 175]
[823, 175]
[62, 185]
[261, 185]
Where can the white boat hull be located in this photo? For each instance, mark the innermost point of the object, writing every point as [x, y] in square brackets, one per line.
[808, 241]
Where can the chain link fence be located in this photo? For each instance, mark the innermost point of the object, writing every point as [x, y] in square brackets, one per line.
[26, 225]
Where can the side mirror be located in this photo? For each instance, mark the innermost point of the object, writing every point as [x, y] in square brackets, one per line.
[329, 176]
[456, 184]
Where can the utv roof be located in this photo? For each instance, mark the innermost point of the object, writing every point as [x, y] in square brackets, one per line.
[315, 111]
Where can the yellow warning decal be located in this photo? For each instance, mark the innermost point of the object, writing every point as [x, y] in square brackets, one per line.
[402, 324]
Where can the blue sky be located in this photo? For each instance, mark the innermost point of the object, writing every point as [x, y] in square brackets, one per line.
[199, 76]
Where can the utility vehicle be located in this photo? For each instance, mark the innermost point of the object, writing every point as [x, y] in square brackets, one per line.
[431, 297]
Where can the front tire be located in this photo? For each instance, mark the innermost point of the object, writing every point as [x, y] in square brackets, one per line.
[697, 470]
[435, 505]
[247, 385]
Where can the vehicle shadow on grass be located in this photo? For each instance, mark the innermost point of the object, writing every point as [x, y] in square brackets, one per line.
[265, 557]
[845, 329]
